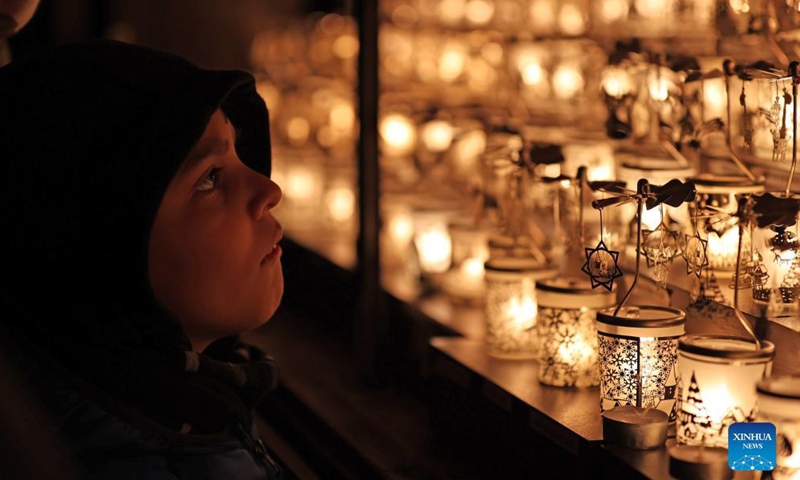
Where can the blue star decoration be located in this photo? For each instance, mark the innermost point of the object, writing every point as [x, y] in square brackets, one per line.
[602, 266]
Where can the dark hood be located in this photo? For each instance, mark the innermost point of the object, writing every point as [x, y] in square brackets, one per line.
[91, 136]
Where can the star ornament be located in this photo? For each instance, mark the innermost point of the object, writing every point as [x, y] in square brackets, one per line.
[659, 246]
[695, 252]
[601, 266]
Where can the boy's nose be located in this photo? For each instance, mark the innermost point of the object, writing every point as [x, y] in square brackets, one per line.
[268, 195]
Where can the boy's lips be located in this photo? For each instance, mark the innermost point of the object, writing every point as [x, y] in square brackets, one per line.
[275, 251]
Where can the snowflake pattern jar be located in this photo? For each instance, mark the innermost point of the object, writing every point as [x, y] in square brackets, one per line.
[717, 379]
[566, 329]
[779, 403]
[510, 305]
[638, 350]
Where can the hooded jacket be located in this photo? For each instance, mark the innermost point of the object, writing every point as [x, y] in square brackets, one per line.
[91, 135]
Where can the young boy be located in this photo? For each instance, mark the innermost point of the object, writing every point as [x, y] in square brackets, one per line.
[138, 239]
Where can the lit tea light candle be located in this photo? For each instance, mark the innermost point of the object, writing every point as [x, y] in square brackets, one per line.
[638, 351]
[779, 404]
[479, 12]
[720, 192]
[542, 14]
[510, 306]
[567, 308]
[616, 82]
[571, 21]
[635, 428]
[452, 62]
[718, 376]
[612, 11]
[654, 9]
[464, 281]
[437, 135]
[568, 81]
[715, 99]
[398, 135]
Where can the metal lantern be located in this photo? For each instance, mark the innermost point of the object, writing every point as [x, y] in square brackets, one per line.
[510, 305]
[566, 329]
[779, 403]
[718, 375]
[638, 349]
[719, 192]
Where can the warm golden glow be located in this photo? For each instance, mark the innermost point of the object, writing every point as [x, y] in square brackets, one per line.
[651, 219]
[567, 81]
[543, 14]
[722, 250]
[452, 62]
[342, 116]
[740, 6]
[303, 187]
[401, 228]
[451, 11]
[653, 8]
[532, 73]
[614, 10]
[398, 134]
[492, 52]
[345, 47]
[616, 82]
[571, 21]
[298, 129]
[437, 135]
[521, 310]
[576, 352]
[433, 249]
[466, 150]
[479, 12]
[658, 86]
[714, 99]
[341, 203]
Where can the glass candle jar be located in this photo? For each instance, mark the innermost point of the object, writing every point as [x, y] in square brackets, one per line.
[638, 350]
[776, 277]
[719, 192]
[566, 329]
[510, 305]
[779, 403]
[718, 375]
[464, 280]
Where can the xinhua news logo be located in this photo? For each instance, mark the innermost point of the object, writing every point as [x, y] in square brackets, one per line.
[751, 446]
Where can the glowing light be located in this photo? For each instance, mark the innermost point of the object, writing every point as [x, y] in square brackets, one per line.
[658, 86]
[614, 10]
[653, 8]
[616, 82]
[303, 187]
[298, 129]
[466, 150]
[345, 47]
[715, 99]
[521, 311]
[437, 135]
[567, 81]
[543, 15]
[451, 63]
[492, 52]
[532, 74]
[342, 116]
[398, 134]
[741, 6]
[571, 21]
[451, 11]
[722, 250]
[651, 218]
[341, 203]
[479, 12]
[578, 351]
[434, 249]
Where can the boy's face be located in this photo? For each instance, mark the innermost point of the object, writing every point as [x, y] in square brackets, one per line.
[213, 257]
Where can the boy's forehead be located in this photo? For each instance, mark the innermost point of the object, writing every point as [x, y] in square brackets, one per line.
[216, 140]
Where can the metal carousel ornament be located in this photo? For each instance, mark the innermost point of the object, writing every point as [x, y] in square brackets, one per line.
[602, 264]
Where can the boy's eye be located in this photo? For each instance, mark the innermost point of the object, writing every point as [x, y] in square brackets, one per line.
[210, 181]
